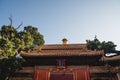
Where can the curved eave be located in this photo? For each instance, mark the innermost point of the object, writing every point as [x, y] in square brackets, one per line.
[61, 54]
[114, 58]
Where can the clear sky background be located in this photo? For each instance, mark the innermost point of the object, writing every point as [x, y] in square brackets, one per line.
[76, 20]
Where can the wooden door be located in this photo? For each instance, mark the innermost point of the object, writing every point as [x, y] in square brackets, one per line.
[61, 76]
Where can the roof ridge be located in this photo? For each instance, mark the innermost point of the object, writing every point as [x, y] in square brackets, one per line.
[62, 44]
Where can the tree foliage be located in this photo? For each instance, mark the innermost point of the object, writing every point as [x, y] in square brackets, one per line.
[13, 40]
[97, 45]
[8, 66]
[108, 46]
[8, 32]
[6, 48]
[94, 44]
[37, 37]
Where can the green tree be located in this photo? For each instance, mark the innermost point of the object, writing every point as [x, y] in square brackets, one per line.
[22, 40]
[8, 66]
[97, 45]
[12, 42]
[8, 32]
[38, 39]
[108, 46]
[94, 44]
[6, 48]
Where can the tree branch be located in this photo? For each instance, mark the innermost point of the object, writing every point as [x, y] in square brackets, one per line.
[10, 18]
[19, 25]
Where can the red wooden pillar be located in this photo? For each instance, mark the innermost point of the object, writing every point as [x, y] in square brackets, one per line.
[41, 74]
[81, 74]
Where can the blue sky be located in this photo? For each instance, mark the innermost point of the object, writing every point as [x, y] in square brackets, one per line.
[76, 20]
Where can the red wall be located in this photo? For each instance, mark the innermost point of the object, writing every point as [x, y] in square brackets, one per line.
[77, 74]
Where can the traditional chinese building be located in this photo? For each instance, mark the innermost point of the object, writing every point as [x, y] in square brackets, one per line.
[68, 62]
